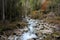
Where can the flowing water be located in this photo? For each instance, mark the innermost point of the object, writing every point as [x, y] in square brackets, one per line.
[30, 34]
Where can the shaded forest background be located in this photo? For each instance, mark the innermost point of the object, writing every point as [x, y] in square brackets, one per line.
[15, 10]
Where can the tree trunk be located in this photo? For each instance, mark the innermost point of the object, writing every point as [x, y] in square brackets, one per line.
[3, 11]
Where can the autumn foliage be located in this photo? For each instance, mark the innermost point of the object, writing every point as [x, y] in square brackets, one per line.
[44, 5]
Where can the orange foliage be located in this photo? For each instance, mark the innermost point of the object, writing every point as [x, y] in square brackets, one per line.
[34, 14]
[44, 5]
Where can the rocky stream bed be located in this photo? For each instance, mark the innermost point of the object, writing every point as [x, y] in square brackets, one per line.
[35, 30]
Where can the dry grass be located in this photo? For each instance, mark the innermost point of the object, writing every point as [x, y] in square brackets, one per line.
[12, 25]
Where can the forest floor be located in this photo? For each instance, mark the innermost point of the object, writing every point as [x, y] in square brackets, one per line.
[10, 26]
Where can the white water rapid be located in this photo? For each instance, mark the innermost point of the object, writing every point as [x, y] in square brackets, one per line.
[34, 26]
[30, 34]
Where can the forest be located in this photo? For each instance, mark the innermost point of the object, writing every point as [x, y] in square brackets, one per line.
[13, 15]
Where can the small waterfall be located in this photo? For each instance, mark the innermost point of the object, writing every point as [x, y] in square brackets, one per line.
[30, 34]
[34, 26]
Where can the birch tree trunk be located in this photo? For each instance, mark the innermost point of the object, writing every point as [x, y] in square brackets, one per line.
[3, 11]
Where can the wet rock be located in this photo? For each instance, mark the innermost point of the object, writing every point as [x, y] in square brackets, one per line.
[57, 38]
[11, 38]
[14, 33]
[18, 32]
[51, 15]
[18, 25]
[30, 39]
